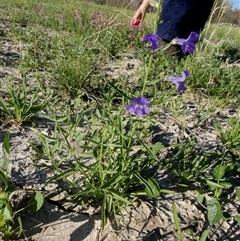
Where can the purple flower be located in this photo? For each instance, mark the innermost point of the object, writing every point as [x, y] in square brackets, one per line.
[152, 39]
[139, 106]
[188, 45]
[179, 81]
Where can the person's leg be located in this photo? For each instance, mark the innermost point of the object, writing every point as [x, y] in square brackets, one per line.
[180, 17]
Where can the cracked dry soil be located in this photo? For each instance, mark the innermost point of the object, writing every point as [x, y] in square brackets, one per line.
[147, 220]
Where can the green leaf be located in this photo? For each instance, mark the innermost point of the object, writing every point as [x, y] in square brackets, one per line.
[84, 155]
[4, 108]
[120, 198]
[176, 222]
[204, 235]
[5, 179]
[103, 210]
[2, 222]
[7, 143]
[214, 185]
[38, 200]
[167, 191]
[218, 192]
[238, 193]
[237, 217]
[58, 176]
[109, 203]
[218, 172]
[226, 185]
[7, 213]
[20, 227]
[152, 188]
[4, 163]
[200, 198]
[151, 153]
[79, 136]
[154, 81]
[214, 211]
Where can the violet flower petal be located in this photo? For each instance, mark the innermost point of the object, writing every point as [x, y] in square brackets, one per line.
[131, 108]
[185, 74]
[145, 110]
[179, 81]
[193, 37]
[142, 100]
[188, 47]
[180, 87]
[139, 106]
[152, 39]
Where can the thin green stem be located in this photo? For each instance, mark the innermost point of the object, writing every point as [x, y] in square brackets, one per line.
[158, 16]
[146, 73]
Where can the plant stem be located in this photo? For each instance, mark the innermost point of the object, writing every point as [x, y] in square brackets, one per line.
[146, 73]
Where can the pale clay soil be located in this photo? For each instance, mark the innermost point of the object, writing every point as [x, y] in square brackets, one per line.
[148, 219]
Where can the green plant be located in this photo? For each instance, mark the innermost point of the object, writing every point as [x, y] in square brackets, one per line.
[179, 233]
[231, 136]
[10, 217]
[102, 156]
[20, 104]
[188, 164]
[107, 165]
[215, 199]
[6, 213]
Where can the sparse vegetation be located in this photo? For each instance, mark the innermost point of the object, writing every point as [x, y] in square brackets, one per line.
[98, 154]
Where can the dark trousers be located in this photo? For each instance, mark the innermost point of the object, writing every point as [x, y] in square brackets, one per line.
[180, 17]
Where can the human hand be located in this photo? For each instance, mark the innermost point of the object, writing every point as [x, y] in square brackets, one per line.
[138, 18]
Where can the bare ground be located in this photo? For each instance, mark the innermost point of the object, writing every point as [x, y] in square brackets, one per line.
[148, 219]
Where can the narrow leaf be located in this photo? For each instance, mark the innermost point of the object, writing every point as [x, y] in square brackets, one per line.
[226, 185]
[237, 217]
[120, 198]
[204, 235]
[214, 184]
[7, 143]
[5, 179]
[176, 222]
[103, 211]
[152, 188]
[238, 193]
